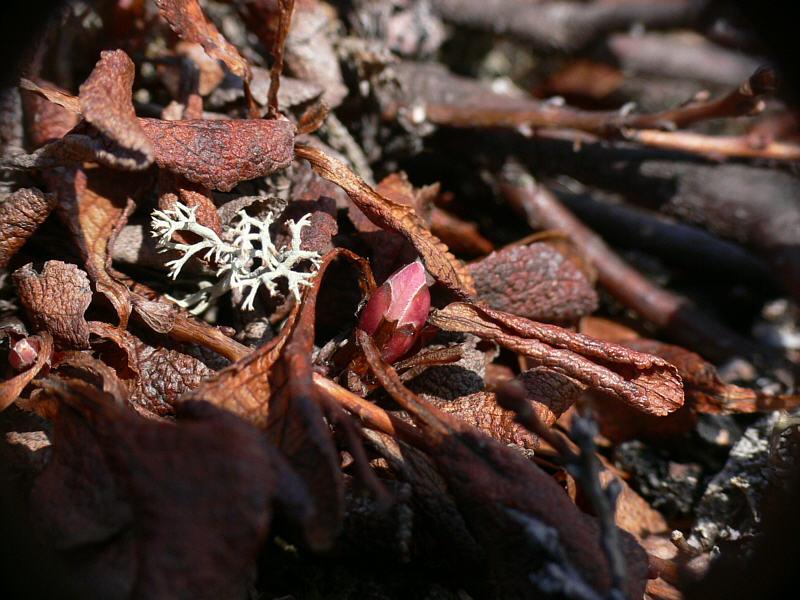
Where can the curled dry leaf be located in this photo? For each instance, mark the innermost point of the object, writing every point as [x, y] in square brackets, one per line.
[56, 300]
[272, 387]
[442, 265]
[94, 206]
[45, 121]
[157, 376]
[480, 410]
[106, 104]
[497, 490]
[220, 154]
[163, 524]
[10, 389]
[174, 188]
[534, 281]
[186, 18]
[21, 213]
[646, 382]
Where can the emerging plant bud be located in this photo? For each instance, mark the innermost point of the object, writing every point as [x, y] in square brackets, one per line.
[397, 311]
[24, 353]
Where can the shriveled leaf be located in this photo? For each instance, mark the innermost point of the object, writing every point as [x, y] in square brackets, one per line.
[508, 501]
[534, 281]
[646, 382]
[174, 188]
[220, 154]
[481, 411]
[272, 387]
[106, 103]
[442, 265]
[549, 392]
[158, 376]
[198, 523]
[93, 204]
[21, 213]
[56, 300]
[186, 18]
[10, 389]
[705, 389]
[46, 121]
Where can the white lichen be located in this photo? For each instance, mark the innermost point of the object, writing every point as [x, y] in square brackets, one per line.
[249, 261]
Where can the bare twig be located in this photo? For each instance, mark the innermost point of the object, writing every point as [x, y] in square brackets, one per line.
[284, 23]
[659, 306]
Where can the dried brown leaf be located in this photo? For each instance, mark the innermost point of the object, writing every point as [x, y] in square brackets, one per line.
[174, 188]
[93, 204]
[106, 103]
[46, 121]
[442, 265]
[198, 524]
[21, 213]
[56, 300]
[504, 498]
[646, 382]
[220, 154]
[186, 18]
[481, 411]
[534, 281]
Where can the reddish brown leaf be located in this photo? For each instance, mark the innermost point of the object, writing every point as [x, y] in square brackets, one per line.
[56, 300]
[21, 213]
[106, 103]
[220, 154]
[442, 265]
[481, 411]
[646, 382]
[10, 389]
[178, 525]
[94, 205]
[174, 188]
[504, 497]
[46, 121]
[550, 393]
[186, 18]
[534, 281]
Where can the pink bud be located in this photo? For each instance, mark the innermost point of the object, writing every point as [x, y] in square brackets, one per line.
[403, 300]
[24, 353]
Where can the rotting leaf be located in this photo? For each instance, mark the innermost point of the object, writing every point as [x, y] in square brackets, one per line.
[220, 154]
[534, 281]
[186, 18]
[442, 265]
[213, 514]
[93, 205]
[21, 213]
[56, 300]
[106, 104]
[646, 382]
[492, 483]
[10, 389]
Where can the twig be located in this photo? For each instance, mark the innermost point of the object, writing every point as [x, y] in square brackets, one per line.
[278, 46]
[733, 146]
[663, 308]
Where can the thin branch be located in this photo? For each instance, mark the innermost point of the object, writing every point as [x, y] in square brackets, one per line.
[659, 306]
[278, 47]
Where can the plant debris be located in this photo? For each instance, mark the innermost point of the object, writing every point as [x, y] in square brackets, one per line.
[397, 299]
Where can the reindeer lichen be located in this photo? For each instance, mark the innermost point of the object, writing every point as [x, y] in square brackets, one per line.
[247, 262]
